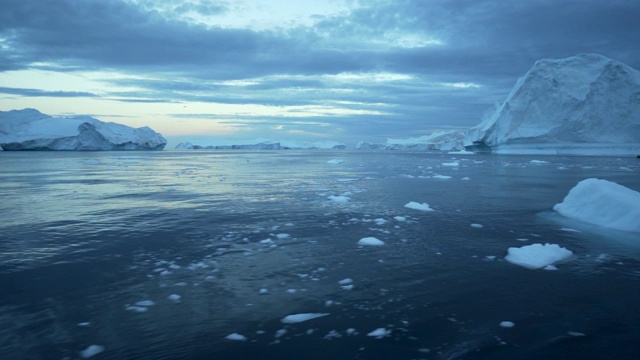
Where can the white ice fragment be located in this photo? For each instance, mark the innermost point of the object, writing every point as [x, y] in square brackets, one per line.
[86, 323]
[380, 221]
[351, 331]
[538, 162]
[296, 318]
[441, 177]
[451, 164]
[282, 236]
[339, 199]
[280, 333]
[490, 257]
[477, 226]
[91, 350]
[537, 256]
[345, 281]
[418, 206]
[236, 337]
[174, 297]
[145, 303]
[139, 309]
[507, 324]
[370, 241]
[603, 203]
[400, 218]
[466, 178]
[347, 287]
[263, 291]
[335, 161]
[379, 333]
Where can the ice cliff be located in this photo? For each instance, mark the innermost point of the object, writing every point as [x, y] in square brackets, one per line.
[30, 129]
[585, 104]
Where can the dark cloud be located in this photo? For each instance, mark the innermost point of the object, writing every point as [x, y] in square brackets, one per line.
[44, 93]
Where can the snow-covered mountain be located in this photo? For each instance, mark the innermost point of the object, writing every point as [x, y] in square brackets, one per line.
[30, 129]
[585, 104]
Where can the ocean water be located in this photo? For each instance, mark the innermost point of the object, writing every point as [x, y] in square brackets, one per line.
[95, 246]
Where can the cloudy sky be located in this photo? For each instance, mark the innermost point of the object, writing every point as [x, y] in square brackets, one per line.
[343, 70]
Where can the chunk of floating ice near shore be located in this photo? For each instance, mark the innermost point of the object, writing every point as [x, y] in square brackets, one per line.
[370, 241]
[417, 206]
[236, 337]
[347, 287]
[345, 281]
[296, 318]
[507, 324]
[91, 350]
[477, 226]
[536, 256]
[145, 303]
[335, 161]
[441, 177]
[379, 333]
[174, 297]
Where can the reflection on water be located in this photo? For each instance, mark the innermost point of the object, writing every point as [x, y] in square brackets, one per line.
[246, 238]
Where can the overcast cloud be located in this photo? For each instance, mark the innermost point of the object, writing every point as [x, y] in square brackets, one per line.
[354, 70]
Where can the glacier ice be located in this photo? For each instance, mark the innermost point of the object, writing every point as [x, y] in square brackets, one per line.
[587, 104]
[30, 129]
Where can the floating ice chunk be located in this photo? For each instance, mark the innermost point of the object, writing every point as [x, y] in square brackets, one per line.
[263, 291]
[380, 221]
[339, 199]
[347, 287]
[351, 331]
[283, 236]
[86, 323]
[296, 318]
[451, 164]
[400, 218]
[335, 161]
[603, 203]
[174, 297]
[145, 303]
[91, 350]
[139, 309]
[441, 177]
[417, 206]
[536, 256]
[539, 162]
[345, 281]
[280, 333]
[477, 226]
[507, 324]
[466, 178]
[266, 242]
[370, 241]
[550, 267]
[379, 333]
[236, 337]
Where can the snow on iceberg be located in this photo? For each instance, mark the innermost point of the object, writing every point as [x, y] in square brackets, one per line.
[603, 203]
[585, 104]
[296, 318]
[536, 256]
[30, 129]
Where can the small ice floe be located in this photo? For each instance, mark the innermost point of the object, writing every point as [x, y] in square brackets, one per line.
[236, 337]
[380, 221]
[174, 297]
[282, 236]
[370, 241]
[466, 178]
[91, 350]
[451, 164]
[345, 281]
[477, 226]
[347, 287]
[296, 318]
[536, 256]
[400, 218]
[539, 162]
[86, 323]
[335, 161]
[418, 206]
[351, 331]
[490, 257]
[146, 303]
[507, 324]
[569, 230]
[379, 333]
[441, 177]
[340, 199]
[263, 291]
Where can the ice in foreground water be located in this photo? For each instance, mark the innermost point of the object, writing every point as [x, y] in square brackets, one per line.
[536, 256]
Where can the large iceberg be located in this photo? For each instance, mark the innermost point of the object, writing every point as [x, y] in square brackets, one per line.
[603, 203]
[585, 104]
[440, 140]
[30, 129]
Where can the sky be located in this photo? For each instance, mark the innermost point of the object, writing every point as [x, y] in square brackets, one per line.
[215, 71]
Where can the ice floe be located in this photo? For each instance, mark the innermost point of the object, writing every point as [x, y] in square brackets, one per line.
[603, 203]
[91, 350]
[236, 337]
[370, 241]
[379, 333]
[296, 318]
[536, 256]
[418, 206]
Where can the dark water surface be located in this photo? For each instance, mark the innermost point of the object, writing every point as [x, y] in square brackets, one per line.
[85, 236]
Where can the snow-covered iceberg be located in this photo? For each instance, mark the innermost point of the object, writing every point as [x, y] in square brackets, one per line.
[586, 104]
[441, 140]
[30, 129]
[603, 203]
